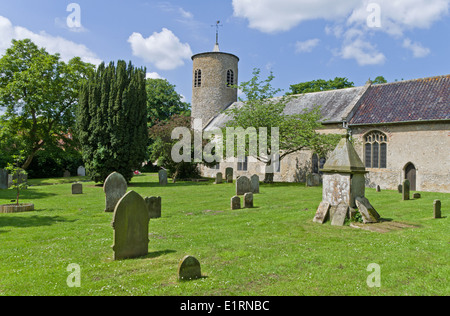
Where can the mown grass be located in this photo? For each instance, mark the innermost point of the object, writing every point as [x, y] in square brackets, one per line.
[272, 249]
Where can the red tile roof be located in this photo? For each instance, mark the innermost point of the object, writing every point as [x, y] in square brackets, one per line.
[403, 101]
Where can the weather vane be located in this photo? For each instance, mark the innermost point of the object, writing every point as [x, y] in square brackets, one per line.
[217, 32]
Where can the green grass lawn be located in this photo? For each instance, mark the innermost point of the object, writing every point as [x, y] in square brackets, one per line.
[272, 249]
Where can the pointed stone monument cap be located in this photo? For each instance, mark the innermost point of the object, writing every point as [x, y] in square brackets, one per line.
[344, 159]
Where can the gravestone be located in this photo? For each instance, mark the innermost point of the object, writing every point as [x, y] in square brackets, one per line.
[405, 190]
[243, 185]
[81, 171]
[3, 179]
[312, 179]
[416, 196]
[130, 224]
[235, 202]
[368, 212]
[322, 212]
[378, 188]
[115, 187]
[229, 174]
[66, 174]
[255, 183]
[248, 200]
[400, 188]
[153, 206]
[162, 175]
[340, 214]
[437, 209]
[189, 269]
[218, 178]
[77, 188]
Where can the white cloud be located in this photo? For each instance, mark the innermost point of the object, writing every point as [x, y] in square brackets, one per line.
[53, 44]
[417, 49]
[164, 50]
[306, 46]
[356, 46]
[153, 75]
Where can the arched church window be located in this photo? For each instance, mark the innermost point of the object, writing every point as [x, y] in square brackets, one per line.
[375, 150]
[230, 77]
[198, 78]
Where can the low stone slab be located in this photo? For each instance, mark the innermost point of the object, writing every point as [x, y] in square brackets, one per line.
[189, 269]
[77, 188]
[322, 212]
[382, 227]
[340, 214]
[368, 212]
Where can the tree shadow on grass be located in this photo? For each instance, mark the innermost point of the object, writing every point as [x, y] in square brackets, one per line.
[30, 221]
[27, 194]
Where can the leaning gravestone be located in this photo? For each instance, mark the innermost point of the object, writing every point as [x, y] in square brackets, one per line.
[218, 178]
[255, 183]
[368, 212]
[162, 175]
[340, 214]
[189, 269]
[437, 209]
[130, 224]
[405, 190]
[153, 206]
[229, 174]
[235, 202]
[243, 185]
[115, 187]
[77, 188]
[3, 179]
[322, 212]
[248, 200]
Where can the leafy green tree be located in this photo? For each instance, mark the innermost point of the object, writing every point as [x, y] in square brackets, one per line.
[17, 175]
[378, 80]
[112, 121]
[39, 94]
[320, 85]
[296, 132]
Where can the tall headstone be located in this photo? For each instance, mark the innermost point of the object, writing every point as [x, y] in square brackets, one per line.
[3, 179]
[115, 187]
[81, 171]
[130, 224]
[153, 206]
[437, 209]
[218, 178]
[77, 188]
[235, 202]
[243, 185]
[248, 200]
[255, 183]
[162, 175]
[405, 190]
[229, 174]
[189, 269]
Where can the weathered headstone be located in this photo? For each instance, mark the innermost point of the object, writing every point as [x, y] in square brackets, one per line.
[255, 183]
[322, 212]
[235, 202]
[368, 212]
[81, 171]
[416, 195]
[153, 206]
[162, 175]
[378, 188]
[229, 174]
[248, 200]
[437, 209]
[77, 188]
[130, 223]
[218, 178]
[400, 188]
[115, 187]
[312, 179]
[243, 185]
[340, 214]
[66, 174]
[405, 190]
[3, 179]
[189, 269]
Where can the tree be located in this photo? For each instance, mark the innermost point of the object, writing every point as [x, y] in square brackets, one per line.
[163, 101]
[320, 85]
[378, 80]
[263, 110]
[112, 121]
[39, 93]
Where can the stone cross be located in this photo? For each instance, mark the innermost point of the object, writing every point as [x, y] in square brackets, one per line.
[130, 224]
[405, 190]
[115, 187]
[189, 269]
[153, 206]
[437, 209]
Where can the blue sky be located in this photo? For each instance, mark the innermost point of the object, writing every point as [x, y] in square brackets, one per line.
[297, 40]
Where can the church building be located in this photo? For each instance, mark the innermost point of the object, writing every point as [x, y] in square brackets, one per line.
[401, 130]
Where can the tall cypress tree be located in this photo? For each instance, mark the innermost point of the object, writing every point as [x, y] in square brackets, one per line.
[112, 121]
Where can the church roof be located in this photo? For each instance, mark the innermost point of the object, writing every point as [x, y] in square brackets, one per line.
[424, 99]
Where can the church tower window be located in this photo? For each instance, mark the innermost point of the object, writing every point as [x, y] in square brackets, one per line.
[375, 150]
[230, 78]
[198, 78]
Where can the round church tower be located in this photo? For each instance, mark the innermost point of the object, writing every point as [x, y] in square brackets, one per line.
[214, 73]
